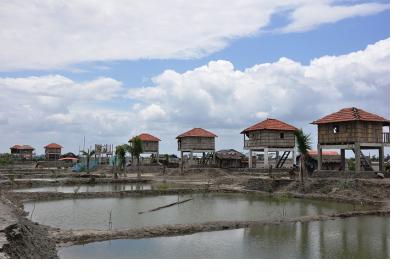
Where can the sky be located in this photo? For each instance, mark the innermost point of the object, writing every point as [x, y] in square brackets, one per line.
[107, 70]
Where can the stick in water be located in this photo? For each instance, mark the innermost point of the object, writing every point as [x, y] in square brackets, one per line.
[165, 206]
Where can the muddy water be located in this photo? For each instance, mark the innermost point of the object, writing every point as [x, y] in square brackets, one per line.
[358, 237]
[88, 188]
[94, 213]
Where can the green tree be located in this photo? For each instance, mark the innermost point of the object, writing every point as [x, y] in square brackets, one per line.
[304, 145]
[120, 152]
[136, 149]
[88, 154]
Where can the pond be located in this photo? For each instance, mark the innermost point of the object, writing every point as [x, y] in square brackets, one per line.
[88, 188]
[357, 237]
[93, 213]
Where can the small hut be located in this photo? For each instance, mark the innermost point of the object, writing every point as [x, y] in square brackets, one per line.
[197, 140]
[330, 160]
[22, 151]
[353, 129]
[230, 158]
[150, 144]
[53, 151]
[270, 135]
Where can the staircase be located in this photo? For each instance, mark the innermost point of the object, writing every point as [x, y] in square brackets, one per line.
[364, 162]
[283, 159]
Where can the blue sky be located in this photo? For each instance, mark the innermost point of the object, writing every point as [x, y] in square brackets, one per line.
[80, 77]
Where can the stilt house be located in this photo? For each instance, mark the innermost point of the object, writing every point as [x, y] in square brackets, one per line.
[353, 129]
[267, 136]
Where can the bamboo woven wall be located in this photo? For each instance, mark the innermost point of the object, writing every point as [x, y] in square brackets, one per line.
[270, 139]
[350, 132]
[196, 143]
[150, 146]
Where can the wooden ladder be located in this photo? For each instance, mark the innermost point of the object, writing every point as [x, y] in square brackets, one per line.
[282, 159]
[364, 162]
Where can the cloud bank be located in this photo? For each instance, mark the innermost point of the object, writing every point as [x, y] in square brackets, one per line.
[216, 96]
[53, 34]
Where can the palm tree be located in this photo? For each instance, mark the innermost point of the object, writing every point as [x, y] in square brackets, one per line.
[88, 156]
[304, 145]
[136, 150]
[120, 152]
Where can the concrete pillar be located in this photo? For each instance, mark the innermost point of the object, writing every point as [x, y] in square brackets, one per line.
[357, 156]
[342, 159]
[250, 158]
[276, 158]
[319, 157]
[293, 157]
[381, 159]
[265, 158]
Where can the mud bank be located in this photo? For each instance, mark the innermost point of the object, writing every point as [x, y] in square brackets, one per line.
[24, 183]
[72, 237]
[21, 238]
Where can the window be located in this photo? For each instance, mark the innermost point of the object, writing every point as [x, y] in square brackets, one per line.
[336, 129]
[282, 135]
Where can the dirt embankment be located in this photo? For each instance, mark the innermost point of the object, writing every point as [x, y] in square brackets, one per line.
[27, 240]
[21, 238]
[71, 237]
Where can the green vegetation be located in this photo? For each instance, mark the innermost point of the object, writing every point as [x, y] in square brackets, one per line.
[304, 143]
[120, 152]
[6, 159]
[136, 149]
[88, 156]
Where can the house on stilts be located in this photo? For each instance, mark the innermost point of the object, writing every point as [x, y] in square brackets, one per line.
[150, 144]
[52, 151]
[269, 136]
[353, 129]
[197, 140]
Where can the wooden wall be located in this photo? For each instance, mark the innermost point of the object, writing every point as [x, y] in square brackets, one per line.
[196, 143]
[351, 132]
[150, 146]
[271, 139]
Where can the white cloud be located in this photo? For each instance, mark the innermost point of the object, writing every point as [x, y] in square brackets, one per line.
[216, 96]
[311, 15]
[53, 108]
[57, 34]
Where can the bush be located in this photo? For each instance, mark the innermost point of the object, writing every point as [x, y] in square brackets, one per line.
[5, 159]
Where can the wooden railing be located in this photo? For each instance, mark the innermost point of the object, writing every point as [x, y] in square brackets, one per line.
[386, 137]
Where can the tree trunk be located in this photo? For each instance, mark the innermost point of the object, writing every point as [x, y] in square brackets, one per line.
[302, 163]
[138, 167]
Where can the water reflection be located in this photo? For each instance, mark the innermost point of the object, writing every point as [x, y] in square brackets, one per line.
[93, 213]
[358, 237]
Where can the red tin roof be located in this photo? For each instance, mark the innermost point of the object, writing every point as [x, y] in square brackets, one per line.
[147, 137]
[351, 114]
[197, 132]
[270, 124]
[53, 146]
